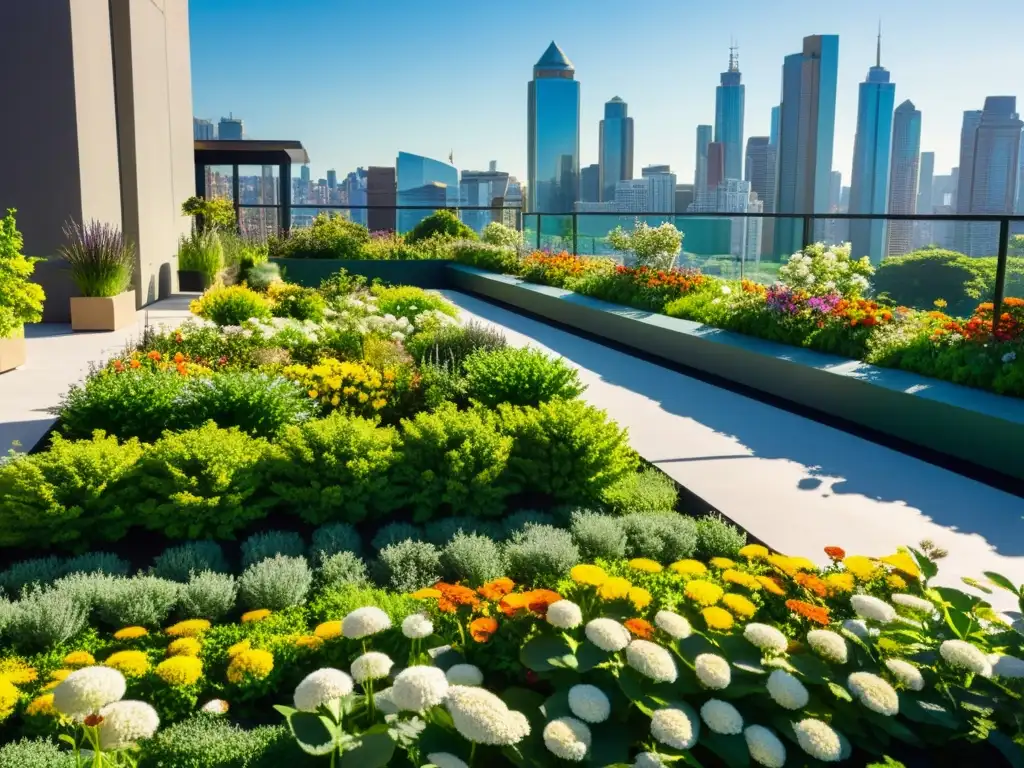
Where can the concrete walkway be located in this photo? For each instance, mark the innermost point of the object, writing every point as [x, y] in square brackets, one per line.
[795, 483]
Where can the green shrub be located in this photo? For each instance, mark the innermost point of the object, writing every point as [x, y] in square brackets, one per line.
[333, 603]
[340, 285]
[328, 237]
[648, 491]
[41, 570]
[218, 212]
[443, 222]
[662, 536]
[97, 562]
[408, 565]
[209, 741]
[231, 305]
[391, 246]
[453, 343]
[497, 233]
[179, 563]
[45, 619]
[525, 517]
[267, 544]
[21, 301]
[440, 532]
[598, 536]
[145, 601]
[395, 533]
[442, 384]
[342, 568]
[338, 468]
[718, 538]
[541, 554]
[472, 558]
[202, 252]
[35, 753]
[565, 450]
[334, 538]
[919, 278]
[298, 303]
[262, 276]
[257, 403]
[208, 595]
[58, 497]
[519, 376]
[276, 583]
[454, 463]
[133, 403]
[86, 589]
[408, 301]
[101, 258]
[6, 612]
[493, 258]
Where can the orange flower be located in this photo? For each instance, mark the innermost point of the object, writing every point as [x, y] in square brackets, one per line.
[118, 366]
[815, 613]
[836, 553]
[510, 605]
[153, 355]
[453, 596]
[134, 363]
[497, 589]
[539, 599]
[811, 582]
[179, 358]
[640, 628]
[481, 629]
[93, 720]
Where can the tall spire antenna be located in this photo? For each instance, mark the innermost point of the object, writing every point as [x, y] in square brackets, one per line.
[734, 57]
[878, 51]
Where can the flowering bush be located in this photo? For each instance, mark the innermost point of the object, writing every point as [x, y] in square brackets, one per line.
[349, 386]
[654, 247]
[231, 305]
[821, 269]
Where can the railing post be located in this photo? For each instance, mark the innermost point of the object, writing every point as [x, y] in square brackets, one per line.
[808, 236]
[538, 231]
[235, 194]
[1000, 289]
[575, 234]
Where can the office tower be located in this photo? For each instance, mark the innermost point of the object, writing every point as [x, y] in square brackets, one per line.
[426, 183]
[869, 185]
[353, 188]
[922, 233]
[304, 173]
[332, 178]
[684, 196]
[632, 195]
[615, 147]
[716, 165]
[553, 134]
[903, 176]
[806, 129]
[735, 196]
[231, 128]
[590, 183]
[202, 130]
[492, 165]
[483, 188]
[512, 216]
[700, 176]
[381, 198]
[729, 103]
[661, 184]
[989, 171]
[836, 231]
[773, 139]
[760, 172]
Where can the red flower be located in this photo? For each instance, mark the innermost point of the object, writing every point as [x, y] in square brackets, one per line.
[640, 628]
[835, 553]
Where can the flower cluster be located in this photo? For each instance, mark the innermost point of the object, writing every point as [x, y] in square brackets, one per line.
[354, 387]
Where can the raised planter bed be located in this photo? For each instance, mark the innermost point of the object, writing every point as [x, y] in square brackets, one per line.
[426, 273]
[979, 427]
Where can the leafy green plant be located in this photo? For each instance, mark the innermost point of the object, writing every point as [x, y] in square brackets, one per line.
[35, 753]
[598, 536]
[332, 602]
[208, 741]
[648, 491]
[328, 237]
[202, 252]
[497, 233]
[44, 619]
[919, 278]
[342, 568]
[217, 212]
[267, 544]
[541, 554]
[442, 222]
[409, 301]
[408, 565]
[21, 301]
[259, 277]
[662, 536]
[395, 533]
[654, 247]
[453, 343]
[180, 562]
[207, 595]
[519, 376]
[257, 403]
[231, 305]
[718, 538]
[472, 558]
[276, 583]
[102, 260]
[131, 403]
[334, 538]
[297, 302]
[494, 258]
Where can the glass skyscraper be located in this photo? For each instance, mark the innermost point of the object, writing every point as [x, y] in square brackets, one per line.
[903, 176]
[553, 134]
[700, 176]
[427, 182]
[729, 105]
[615, 142]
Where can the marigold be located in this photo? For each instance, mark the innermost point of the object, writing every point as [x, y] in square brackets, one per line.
[615, 588]
[717, 618]
[640, 597]
[131, 633]
[835, 553]
[689, 567]
[135, 364]
[739, 605]
[237, 648]
[128, 663]
[328, 630]
[591, 575]
[42, 705]
[258, 615]
[740, 578]
[180, 670]
[784, 564]
[703, 592]
[511, 604]
[640, 628]
[896, 581]
[17, 671]
[481, 629]
[153, 355]
[839, 583]
[426, 593]
[308, 641]
[645, 564]
[901, 561]
[862, 568]
[188, 628]
[802, 564]
[453, 596]
[250, 664]
[771, 584]
[184, 646]
[539, 600]
[754, 552]
[722, 563]
[816, 613]
[497, 589]
[59, 675]
[811, 583]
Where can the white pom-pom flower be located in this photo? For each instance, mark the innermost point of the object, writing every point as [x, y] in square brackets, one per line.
[675, 727]
[764, 746]
[829, 645]
[652, 661]
[959, 653]
[765, 637]
[648, 760]
[908, 675]
[859, 628]
[464, 674]
[819, 740]
[786, 690]
[382, 700]
[589, 703]
[564, 614]
[673, 624]
[215, 707]
[372, 665]
[318, 688]
[567, 738]
[419, 688]
[446, 760]
[874, 693]
[483, 718]
[1006, 666]
[713, 671]
[868, 607]
[913, 603]
[88, 690]
[607, 634]
[416, 626]
[125, 723]
[363, 622]
[722, 717]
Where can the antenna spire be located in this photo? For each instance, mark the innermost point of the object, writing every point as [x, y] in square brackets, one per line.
[734, 56]
[878, 51]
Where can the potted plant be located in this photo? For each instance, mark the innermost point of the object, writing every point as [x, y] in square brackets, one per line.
[200, 260]
[21, 301]
[102, 264]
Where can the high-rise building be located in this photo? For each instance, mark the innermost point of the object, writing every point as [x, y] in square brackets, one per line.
[353, 189]
[231, 128]
[700, 176]
[807, 119]
[590, 183]
[632, 195]
[837, 230]
[553, 133]
[773, 139]
[989, 171]
[716, 165]
[202, 130]
[684, 196]
[729, 105]
[304, 173]
[1020, 185]
[483, 188]
[922, 234]
[869, 185]
[381, 198]
[661, 182]
[332, 178]
[615, 147]
[735, 196]
[512, 216]
[760, 172]
[424, 182]
[903, 176]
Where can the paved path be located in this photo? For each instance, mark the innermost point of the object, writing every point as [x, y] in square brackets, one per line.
[795, 483]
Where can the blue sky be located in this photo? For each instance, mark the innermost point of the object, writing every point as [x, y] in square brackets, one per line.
[358, 80]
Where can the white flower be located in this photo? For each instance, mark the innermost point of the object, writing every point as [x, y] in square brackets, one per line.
[819, 740]
[672, 624]
[765, 637]
[398, 336]
[419, 688]
[464, 674]
[483, 718]
[320, 687]
[906, 673]
[726, 290]
[567, 738]
[914, 603]
[383, 701]
[722, 717]
[786, 690]
[868, 607]
[88, 690]
[675, 727]
[417, 626]
[363, 622]
[1006, 666]
[648, 760]
[125, 723]
[446, 760]
[589, 703]
[874, 693]
[215, 707]
[713, 671]
[959, 653]
[1009, 357]
[607, 634]
[860, 282]
[564, 614]
[372, 665]
[651, 660]
[859, 628]
[828, 645]
[765, 747]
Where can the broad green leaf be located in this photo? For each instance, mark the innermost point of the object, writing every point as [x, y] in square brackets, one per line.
[1007, 747]
[926, 712]
[976, 584]
[557, 705]
[731, 749]
[374, 751]
[839, 692]
[632, 685]
[928, 568]
[1001, 581]
[812, 668]
[589, 656]
[546, 652]
[286, 711]
[313, 732]
[609, 746]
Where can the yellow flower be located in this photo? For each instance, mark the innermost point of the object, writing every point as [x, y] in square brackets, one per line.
[588, 574]
[689, 567]
[189, 628]
[257, 615]
[742, 579]
[717, 618]
[8, 697]
[802, 564]
[250, 664]
[308, 641]
[79, 659]
[722, 563]
[839, 583]
[754, 552]
[17, 671]
[862, 568]
[614, 588]
[901, 561]
[335, 401]
[363, 397]
[783, 563]
[640, 597]
[313, 394]
[60, 674]
[770, 585]
[645, 564]
[237, 648]
[896, 581]
[131, 633]
[703, 592]
[129, 663]
[184, 646]
[328, 630]
[739, 605]
[426, 593]
[42, 705]
[180, 670]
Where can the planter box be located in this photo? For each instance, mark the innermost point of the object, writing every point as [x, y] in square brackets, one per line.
[103, 313]
[13, 351]
[977, 427]
[425, 273]
[191, 282]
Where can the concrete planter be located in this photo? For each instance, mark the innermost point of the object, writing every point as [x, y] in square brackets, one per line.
[972, 425]
[102, 313]
[13, 351]
[426, 273]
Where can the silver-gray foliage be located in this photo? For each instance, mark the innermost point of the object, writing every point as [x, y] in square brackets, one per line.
[598, 535]
[97, 562]
[408, 565]
[541, 554]
[662, 536]
[45, 619]
[342, 568]
[333, 538]
[145, 601]
[41, 570]
[395, 533]
[276, 583]
[718, 538]
[208, 595]
[268, 544]
[472, 558]
[180, 562]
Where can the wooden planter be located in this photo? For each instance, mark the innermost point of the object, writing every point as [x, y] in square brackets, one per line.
[102, 313]
[13, 351]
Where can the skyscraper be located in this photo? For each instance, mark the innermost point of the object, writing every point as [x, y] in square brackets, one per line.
[773, 139]
[632, 195]
[381, 197]
[1020, 185]
[903, 176]
[231, 128]
[590, 183]
[700, 176]
[423, 181]
[304, 173]
[925, 206]
[332, 178]
[716, 165]
[807, 119]
[760, 172]
[615, 147]
[483, 188]
[729, 104]
[202, 130]
[553, 133]
[661, 182]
